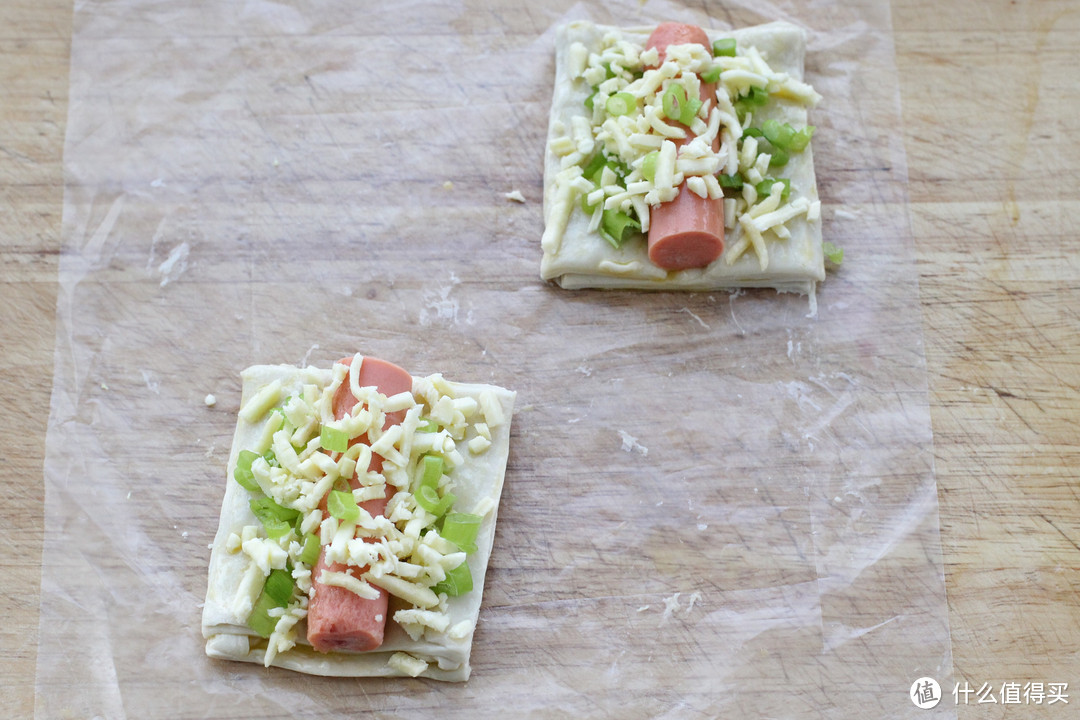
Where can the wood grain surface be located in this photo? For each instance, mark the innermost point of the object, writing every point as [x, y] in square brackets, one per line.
[991, 109]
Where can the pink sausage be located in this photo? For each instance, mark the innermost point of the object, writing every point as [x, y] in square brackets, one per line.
[687, 232]
[339, 619]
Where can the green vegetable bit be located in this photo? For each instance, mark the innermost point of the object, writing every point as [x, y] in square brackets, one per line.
[276, 593]
[427, 497]
[732, 182]
[333, 439]
[801, 139]
[458, 581]
[431, 471]
[724, 47]
[617, 227]
[711, 75]
[779, 134]
[648, 165]
[461, 529]
[242, 474]
[765, 187]
[833, 254]
[678, 107]
[342, 505]
[268, 511]
[310, 554]
[622, 103]
[779, 157]
[427, 425]
[752, 132]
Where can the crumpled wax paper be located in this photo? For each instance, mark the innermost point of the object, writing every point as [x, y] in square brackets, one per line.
[716, 505]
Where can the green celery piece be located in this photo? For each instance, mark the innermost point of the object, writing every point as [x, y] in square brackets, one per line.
[779, 134]
[589, 101]
[622, 103]
[242, 474]
[765, 187]
[833, 254]
[279, 586]
[259, 620]
[673, 101]
[333, 439]
[595, 168]
[458, 581]
[711, 75]
[801, 139]
[276, 528]
[310, 554]
[461, 529]
[431, 471]
[427, 497]
[724, 47]
[616, 226]
[732, 182]
[342, 505]
[427, 425]
[779, 157]
[648, 165]
[752, 132]
[266, 509]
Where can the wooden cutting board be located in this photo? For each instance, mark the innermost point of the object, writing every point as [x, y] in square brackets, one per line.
[989, 108]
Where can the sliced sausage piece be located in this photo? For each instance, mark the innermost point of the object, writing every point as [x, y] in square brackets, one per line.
[339, 619]
[687, 232]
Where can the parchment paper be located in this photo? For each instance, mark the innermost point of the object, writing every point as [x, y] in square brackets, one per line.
[715, 506]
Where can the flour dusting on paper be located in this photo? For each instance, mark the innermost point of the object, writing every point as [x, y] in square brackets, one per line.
[174, 265]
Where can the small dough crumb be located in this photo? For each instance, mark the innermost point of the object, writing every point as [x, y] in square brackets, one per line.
[630, 443]
[448, 185]
[210, 401]
[515, 195]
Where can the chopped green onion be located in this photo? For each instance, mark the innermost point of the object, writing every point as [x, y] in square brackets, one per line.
[779, 157]
[589, 101]
[461, 529]
[608, 71]
[617, 227]
[427, 425]
[333, 439]
[752, 132]
[757, 96]
[779, 134]
[259, 620]
[266, 510]
[801, 139]
[458, 581]
[427, 497]
[648, 165]
[711, 75]
[243, 474]
[271, 458]
[724, 47]
[342, 505]
[833, 254]
[765, 187]
[279, 586]
[733, 182]
[595, 168]
[622, 103]
[586, 207]
[310, 554]
[431, 471]
[276, 529]
[674, 100]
